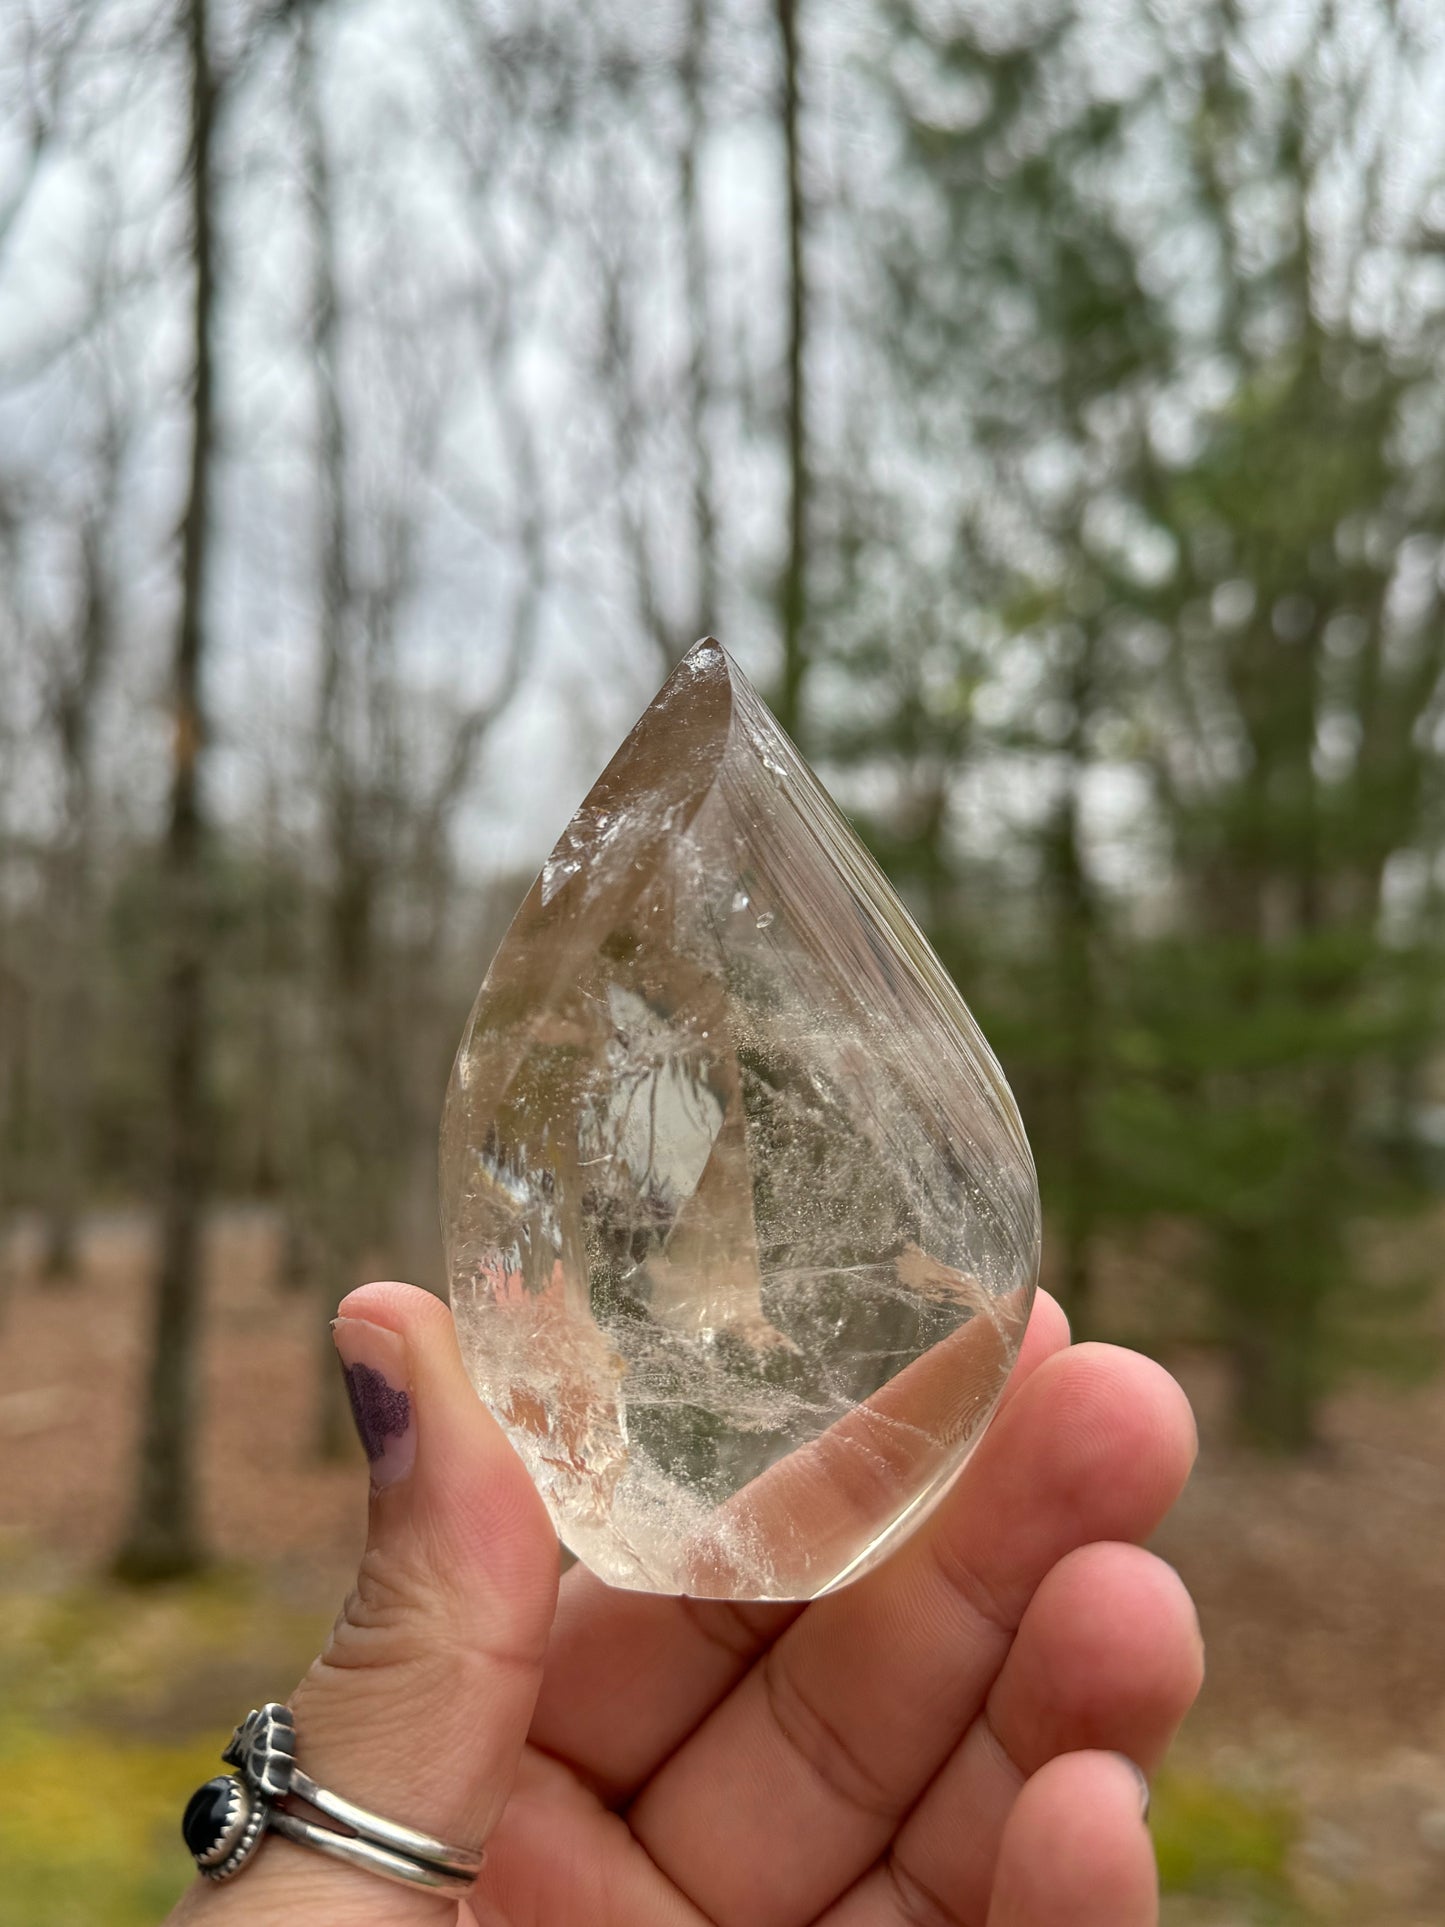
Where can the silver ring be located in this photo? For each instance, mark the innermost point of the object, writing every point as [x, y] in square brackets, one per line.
[227, 1819]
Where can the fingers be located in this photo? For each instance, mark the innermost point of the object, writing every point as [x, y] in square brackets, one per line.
[1076, 1852]
[796, 1783]
[1108, 1656]
[419, 1706]
[827, 1501]
[630, 1675]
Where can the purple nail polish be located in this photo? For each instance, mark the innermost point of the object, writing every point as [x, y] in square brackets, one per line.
[374, 1362]
[380, 1413]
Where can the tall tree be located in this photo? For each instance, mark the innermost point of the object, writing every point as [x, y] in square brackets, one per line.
[77, 669]
[347, 1181]
[693, 77]
[164, 1535]
[793, 586]
[1204, 505]
[1072, 945]
[393, 771]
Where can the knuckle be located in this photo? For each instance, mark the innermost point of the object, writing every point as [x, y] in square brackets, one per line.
[391, 1611]
[971, 1592]
[822, 1749]
[916, 1904]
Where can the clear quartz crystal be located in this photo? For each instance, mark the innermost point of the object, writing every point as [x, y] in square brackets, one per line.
[741, 1221]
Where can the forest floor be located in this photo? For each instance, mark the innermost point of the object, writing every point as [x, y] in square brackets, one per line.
[1308, 1789]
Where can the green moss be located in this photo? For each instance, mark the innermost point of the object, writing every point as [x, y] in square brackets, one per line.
[90, 1829]
[1217, 1839]
[104, 1734]
[102, 1739]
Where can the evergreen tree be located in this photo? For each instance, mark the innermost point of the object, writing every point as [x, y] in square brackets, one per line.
[1179, 410]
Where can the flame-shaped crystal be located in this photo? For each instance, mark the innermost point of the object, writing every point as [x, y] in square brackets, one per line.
[741, 1220]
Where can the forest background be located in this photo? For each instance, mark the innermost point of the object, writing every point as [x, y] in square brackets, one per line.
[1046, 403]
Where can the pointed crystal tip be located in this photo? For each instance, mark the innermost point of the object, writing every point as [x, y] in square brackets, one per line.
[741, 1221]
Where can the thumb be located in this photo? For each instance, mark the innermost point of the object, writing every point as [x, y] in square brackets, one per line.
[419, 1706]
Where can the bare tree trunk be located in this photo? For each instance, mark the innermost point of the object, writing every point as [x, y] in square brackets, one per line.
[346, 1176]
[164, 1537]
[268, 1154]
[73, 703]
[1075, 920]
[12, 1105]
[356, 1192]
[793, 605]
[67, 994]
[699, 386]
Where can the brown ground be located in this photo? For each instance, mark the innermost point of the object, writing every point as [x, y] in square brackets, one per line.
[1321, 1585]
[1321, 1589]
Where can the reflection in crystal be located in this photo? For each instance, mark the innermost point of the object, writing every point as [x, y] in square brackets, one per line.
[741, 1221]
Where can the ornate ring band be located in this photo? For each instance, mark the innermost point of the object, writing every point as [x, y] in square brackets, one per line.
[227, 1819]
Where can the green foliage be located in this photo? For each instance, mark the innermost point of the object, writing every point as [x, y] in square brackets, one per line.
[89, 1712]
[1194, 492]
[113, 1708]
[1215, 1841]
[89, 1829]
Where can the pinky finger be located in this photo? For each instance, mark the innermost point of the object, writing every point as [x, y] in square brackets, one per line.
[1075, 1851]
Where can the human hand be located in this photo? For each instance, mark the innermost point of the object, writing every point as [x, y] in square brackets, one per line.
[938, 1745]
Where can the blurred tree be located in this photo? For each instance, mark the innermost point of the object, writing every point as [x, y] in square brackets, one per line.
[57, 531]
[1050, 398]
[693, 78]
[391, 781]
[163, 1538]
[350, 1131]
[793, 585]
[46, 45]
[1210, 522]
[1301, 991]
[77, 661]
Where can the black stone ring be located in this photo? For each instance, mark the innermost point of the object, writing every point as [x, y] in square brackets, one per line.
[227, 1819]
